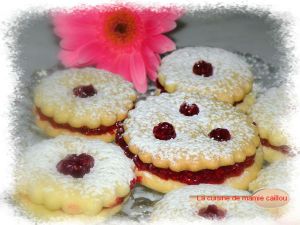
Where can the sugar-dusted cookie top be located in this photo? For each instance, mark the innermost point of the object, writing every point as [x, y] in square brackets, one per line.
[271, 115]
[84, 97]
[96, 171]
[188, 132]
[182, 204]
[211, 72]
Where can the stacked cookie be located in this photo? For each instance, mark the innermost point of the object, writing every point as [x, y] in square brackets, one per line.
[209, 72]
[190, 140]
[74, 176]
[83, 102]
[269, 113]
[77, 174]
[178, 139]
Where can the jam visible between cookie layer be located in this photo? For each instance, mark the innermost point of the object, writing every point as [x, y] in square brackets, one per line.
[283, 148]
[160, 87]
[217, 176]
[83, 130]
[120, 200]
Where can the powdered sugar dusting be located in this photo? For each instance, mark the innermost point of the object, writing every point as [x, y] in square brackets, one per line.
[27, 134]
[272, 109]
[178, 204]
[230, 71]
[56, 91]
[191, 131]
[275, 175]
[111, 166]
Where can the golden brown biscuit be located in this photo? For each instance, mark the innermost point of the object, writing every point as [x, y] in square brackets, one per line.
[210, 72]
[87, 102]
[183, 205]
[189, 139]
[271, 116]
[73, 176]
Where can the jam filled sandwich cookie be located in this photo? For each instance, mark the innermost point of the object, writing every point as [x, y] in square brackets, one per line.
[186, 204]
[74, 176]
[269, 113]
[87, 102]
[179, 139]
[210, 72]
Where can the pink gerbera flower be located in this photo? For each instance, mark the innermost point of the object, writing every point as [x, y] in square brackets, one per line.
[124, 40]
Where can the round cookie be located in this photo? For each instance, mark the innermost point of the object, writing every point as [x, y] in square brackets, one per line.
[86, 102]
[270, 114]
[274, 175]
[74, 176]
[187, 204]
[210, 72]
[281, 175]
[178, 139]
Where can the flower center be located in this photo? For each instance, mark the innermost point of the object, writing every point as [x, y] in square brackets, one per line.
[121, 26]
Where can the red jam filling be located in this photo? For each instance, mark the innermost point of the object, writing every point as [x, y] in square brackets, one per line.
[84, 91]
[203, 68]
[238, 102]
[83, 130]
[134, 181]
[220, 134]
[160, 87]
[283, 148]
[164, 131]
[217, 176]
[76, 165]
[212, 212]
[120, 200]
[189, 109]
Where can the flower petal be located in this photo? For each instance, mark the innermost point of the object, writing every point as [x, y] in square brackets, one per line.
[138, 72]
[76, 41]
[122, 63]
[151, 62]
[161, 44]
[170, 13]
[68, 58]
[155, 27]
[118, 64]
[80, 57]
[75, 17]
[84, 41]
[162, 20]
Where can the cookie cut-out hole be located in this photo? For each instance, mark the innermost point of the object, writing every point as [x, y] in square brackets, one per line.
[212, 212]
[220, 134]
[76, 165]
[189, 109]
[203, 68]
[164, 131]
[84, 91]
